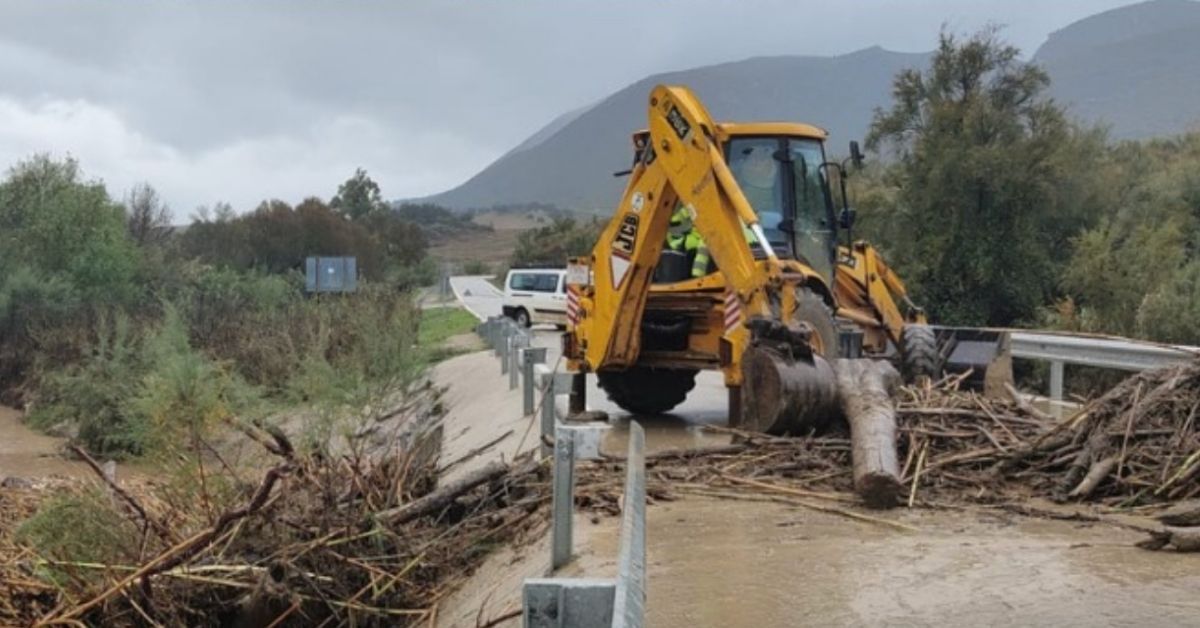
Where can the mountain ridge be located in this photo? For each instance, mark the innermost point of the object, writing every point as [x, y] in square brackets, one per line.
[1134, 69]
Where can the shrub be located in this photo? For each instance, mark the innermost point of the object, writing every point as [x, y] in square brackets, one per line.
[1172, 312]
[80, 528]
[475, 267]
[554, 243]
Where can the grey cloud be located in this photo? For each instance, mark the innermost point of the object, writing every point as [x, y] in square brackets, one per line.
[432, 90]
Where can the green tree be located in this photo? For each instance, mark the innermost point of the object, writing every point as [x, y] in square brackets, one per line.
[358, 197]
[1135, 271]
[992, 181]
[55, 222]
[65, 258]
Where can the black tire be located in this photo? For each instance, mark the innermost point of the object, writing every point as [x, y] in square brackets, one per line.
[812, 309]
[919, 353]
[522, 318]
[647, 391]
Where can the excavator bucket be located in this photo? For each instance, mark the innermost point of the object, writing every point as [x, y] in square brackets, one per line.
[984, 356]
[786, 389]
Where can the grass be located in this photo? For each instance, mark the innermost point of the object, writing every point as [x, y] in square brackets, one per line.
[440, 324]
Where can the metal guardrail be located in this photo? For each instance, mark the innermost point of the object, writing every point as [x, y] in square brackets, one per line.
[586, 602]
[1101, 351]
[574, 602]
[629, 605]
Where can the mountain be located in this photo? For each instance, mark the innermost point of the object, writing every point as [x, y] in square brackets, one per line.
[573, 167]
[1135, 69]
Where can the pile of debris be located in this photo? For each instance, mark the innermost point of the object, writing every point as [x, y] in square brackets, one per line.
[1136, 444]
[317, 540]
[373, 540]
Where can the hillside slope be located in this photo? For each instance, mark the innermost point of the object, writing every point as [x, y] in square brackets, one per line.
[573, 168]
[1135, 69]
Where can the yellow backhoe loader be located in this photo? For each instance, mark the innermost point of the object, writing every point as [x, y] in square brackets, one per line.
[780, 299]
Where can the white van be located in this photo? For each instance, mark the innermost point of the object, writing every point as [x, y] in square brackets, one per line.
[536, 295]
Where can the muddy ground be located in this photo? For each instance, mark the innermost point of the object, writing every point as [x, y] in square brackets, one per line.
[735, 563]
[721, 563]
[739, 563]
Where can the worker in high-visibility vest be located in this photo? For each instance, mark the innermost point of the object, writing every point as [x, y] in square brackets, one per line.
[683, 237]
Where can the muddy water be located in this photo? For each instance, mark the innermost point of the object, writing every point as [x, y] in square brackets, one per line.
[663, 432]
[722, 563]
[25, 453]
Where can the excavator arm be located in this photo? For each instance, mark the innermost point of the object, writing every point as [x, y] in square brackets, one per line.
[869, 293]
[681, 162]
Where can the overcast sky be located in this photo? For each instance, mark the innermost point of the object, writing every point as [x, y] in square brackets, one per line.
[239, 101]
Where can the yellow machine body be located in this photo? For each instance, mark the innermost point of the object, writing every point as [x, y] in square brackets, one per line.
[618, 308]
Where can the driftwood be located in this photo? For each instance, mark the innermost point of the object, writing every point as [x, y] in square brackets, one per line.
[1099, 470]
[442, 497]
[1179, 540]
[1184, 514]
[864, 387]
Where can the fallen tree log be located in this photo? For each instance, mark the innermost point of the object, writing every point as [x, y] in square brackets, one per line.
[864, 389]
[441, 497]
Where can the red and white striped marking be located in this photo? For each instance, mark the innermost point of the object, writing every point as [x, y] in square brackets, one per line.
[573, 305]
[733, 311]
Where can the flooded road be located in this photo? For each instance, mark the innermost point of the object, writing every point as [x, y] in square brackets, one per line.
[25, 453]
[740, 563]
[722, 563]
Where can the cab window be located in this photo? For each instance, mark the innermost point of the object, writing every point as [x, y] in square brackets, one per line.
[814, 235]
[756, 170]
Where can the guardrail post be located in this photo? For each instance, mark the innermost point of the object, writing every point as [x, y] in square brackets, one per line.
[552, 385]
[506, 347]
[567, 603]
[519, 342]
[564, 499]
[493, 329]
[498, 336]
[1056, 380]
[530, 357]
[548, 417]
[629, 603]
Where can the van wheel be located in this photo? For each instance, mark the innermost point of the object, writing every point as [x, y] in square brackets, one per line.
[521, 317]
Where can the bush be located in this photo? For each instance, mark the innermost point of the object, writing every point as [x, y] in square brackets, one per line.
[475, 267]
[553, 244]
[131, 394]
[181, 394]
[65, 259]
[1172, 312]
[80, 528]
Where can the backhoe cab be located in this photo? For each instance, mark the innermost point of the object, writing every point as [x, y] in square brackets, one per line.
[779, 302]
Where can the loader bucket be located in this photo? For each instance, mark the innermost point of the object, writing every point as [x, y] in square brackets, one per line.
[984, 353]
